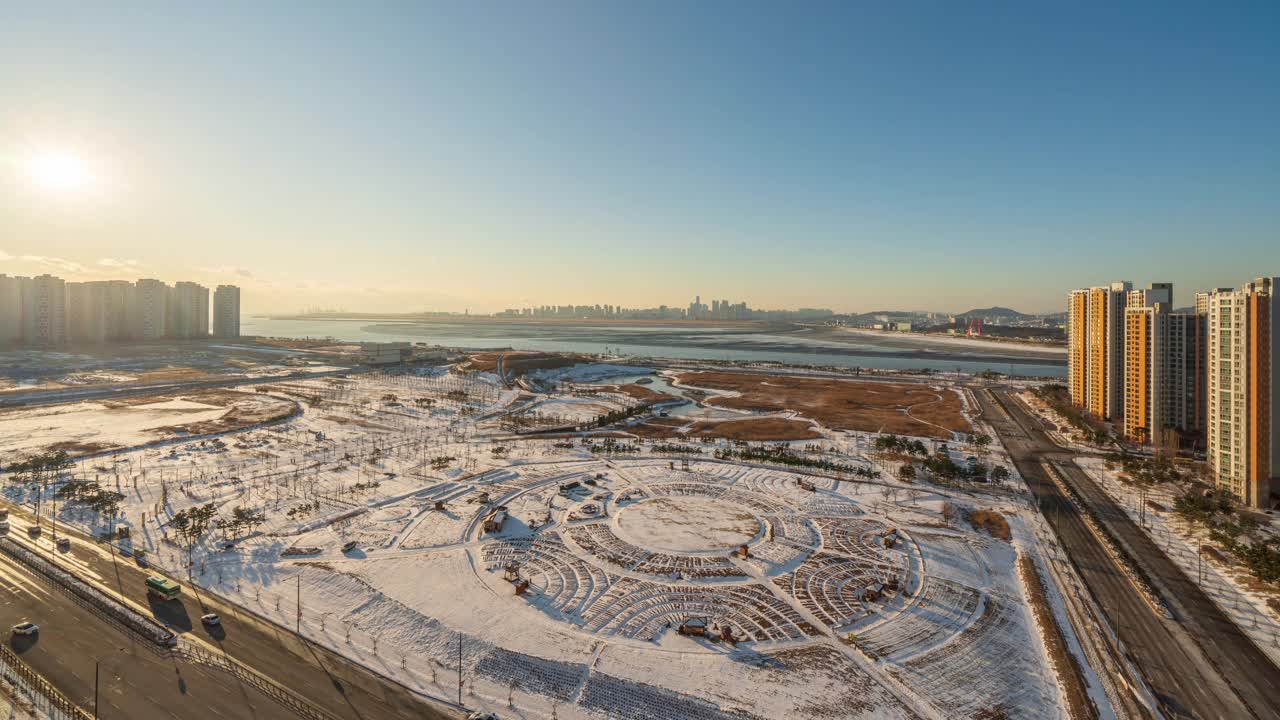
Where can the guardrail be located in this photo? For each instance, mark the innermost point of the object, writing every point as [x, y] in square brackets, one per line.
[302, 707]
[123, 617]
[89, 597]
[48, 698]
[1129, 567]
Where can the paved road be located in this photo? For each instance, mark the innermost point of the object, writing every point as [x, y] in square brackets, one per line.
[331, 682]
[1180, 662]
[134, 681]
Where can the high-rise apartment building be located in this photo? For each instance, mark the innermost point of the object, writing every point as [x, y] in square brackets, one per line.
[150, 309]
[226, 311]
[187, 315]
[44, 310]
[1150, 295]
[1160, 372]
[1242, 396]
[87, 311]
[118, 309]
[10, 310]
[1095, 357]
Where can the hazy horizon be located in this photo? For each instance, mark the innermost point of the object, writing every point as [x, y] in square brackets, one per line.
[429, 157]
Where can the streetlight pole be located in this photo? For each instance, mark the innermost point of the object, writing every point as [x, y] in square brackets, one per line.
[95, 690]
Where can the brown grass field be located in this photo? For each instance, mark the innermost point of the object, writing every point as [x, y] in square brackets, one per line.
[639, 392]
[755, 429]
[900, 408]
[520, 363]
[768, 428]
[991, 522]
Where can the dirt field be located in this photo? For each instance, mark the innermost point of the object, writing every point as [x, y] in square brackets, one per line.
[900, 408]
[639, 392]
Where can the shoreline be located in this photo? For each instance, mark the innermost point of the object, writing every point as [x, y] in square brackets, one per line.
[922, 339]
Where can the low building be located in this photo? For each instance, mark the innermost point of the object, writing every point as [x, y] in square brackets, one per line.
[494, 522]
[389, 353]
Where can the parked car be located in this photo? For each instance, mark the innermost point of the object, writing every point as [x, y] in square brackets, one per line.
[4, 526]
[26, 628]
[479, 715]
[349, 546]
[210, 619]
[64, 545]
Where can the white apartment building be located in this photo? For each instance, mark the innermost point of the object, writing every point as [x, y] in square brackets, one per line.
[150, 309]
[10, 310]
[226, 311]
[86, 311]
[44, 310]
[119, 304]
[1243, 347]
[188, 311]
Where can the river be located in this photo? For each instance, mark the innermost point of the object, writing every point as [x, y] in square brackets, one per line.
[781, 342]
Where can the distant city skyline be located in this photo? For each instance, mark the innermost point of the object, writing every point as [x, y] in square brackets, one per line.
[388, 301]
[856, 157]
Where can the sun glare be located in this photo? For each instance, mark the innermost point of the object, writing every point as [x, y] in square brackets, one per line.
[58, 171]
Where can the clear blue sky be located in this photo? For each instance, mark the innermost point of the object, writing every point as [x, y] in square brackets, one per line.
[853, 155]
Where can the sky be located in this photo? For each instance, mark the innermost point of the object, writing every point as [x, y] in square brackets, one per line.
[409, 156]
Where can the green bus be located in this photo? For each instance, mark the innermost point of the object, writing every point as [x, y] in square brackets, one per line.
[163, 588]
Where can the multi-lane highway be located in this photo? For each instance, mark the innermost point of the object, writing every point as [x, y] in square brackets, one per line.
[139, 682]
[1199, 665]
[134, 678]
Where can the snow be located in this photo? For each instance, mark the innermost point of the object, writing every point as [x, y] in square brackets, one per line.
[585, 372]
[405, 466]
[692, 524]
[96, 423]
[1180, 540]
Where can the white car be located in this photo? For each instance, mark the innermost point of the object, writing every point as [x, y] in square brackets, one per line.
[210, 619]
[26, 628]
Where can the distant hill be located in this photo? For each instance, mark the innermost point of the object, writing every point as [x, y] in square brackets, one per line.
[992, 312]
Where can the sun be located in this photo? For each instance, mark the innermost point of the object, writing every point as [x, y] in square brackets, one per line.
[58, 171]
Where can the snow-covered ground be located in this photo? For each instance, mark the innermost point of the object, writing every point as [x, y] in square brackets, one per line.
[854, 599]
[1180, 540]
[86, 427]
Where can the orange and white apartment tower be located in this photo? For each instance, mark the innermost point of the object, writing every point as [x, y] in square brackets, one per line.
[1161, 368]
[1095, 354]
[1242, 395]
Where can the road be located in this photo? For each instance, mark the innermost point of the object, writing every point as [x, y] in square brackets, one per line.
[338, 686]
[1201, 667]
[134, 681]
